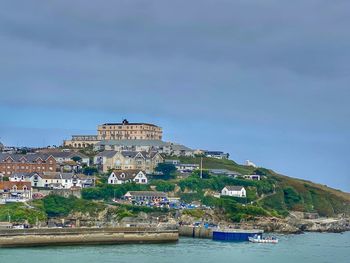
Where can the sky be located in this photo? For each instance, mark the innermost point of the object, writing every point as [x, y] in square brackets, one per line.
[266, 80]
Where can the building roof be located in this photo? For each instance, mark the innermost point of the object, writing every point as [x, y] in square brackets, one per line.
[133, 154]
[149, 143]
[25, 175]
[126, 122]
[223, 171]
[9, 185]
[130, 143]
[67, 154]
[179, 147]
[234, 187]
[124, 175]
[108, 154]
[147, 193]
[31, 157]
[57, 175]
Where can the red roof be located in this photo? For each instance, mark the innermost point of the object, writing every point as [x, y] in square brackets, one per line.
[19, 185]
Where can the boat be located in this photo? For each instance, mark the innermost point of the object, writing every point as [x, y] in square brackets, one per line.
[259, 239]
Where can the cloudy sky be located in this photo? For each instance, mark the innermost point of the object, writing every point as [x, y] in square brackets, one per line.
[264, 80]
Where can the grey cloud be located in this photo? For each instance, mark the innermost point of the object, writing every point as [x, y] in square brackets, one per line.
[306, 37]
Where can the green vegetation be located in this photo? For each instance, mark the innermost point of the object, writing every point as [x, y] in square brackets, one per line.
[276, 194]
[55, 206]
[90, 170]
[213, 163]
[76, 158]
[20, 213]
[168, 170]
[300, 195]
[163, 186]
[106, 192]
[196, 213]
[234, 210]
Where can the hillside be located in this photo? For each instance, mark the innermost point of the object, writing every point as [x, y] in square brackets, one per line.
[289, 194]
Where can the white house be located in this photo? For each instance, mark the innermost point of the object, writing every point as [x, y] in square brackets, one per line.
[255, 177]
[186, 167]
[127, 176]
[232, 190]
[53, 180]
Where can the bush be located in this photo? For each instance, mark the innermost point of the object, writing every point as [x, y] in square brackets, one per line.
[168, 170]
[56, 206]
[109, 191]
[164, 186]
[19, 213]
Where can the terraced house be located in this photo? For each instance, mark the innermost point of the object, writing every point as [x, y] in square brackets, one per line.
[128, 160]
[54, 180]
[15, 191]
[26, 163]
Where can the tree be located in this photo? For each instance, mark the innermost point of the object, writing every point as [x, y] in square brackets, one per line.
[89, 170]
[76, 159]
[205, 174]
[167, 169]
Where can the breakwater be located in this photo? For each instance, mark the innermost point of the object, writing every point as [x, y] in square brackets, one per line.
[197, 232]
[82, 236]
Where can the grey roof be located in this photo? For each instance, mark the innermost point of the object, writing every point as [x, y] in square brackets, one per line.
[31, 157]
[125, 122]
[107, 154]
[179, 147]
[26, 175]
[223, 171]
[150, 143]
[133, 154]
[148, 193]
[154, 143]
[234, 187]
[67, 154]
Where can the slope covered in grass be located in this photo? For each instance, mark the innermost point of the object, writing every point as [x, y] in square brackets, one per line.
[290, 194]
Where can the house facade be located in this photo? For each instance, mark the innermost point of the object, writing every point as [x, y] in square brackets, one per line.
[186, 167]
[81, 141]
[129, 130]
[127, 176]
[26, 163]
[53, 180]
[235, 191]
[128, 160]
[15, 191]
[146, 195]
[216, 154]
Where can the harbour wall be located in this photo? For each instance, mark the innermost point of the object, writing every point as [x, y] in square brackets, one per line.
[84, 236]
[196, 232]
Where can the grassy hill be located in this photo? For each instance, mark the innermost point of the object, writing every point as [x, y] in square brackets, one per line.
[289, 194]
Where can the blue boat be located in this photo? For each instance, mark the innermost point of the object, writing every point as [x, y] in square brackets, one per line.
[236, 234]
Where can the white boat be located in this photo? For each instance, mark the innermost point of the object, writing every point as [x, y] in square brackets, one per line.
[258, 239]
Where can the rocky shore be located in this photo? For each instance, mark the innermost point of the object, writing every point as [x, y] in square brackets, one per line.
[294, 223]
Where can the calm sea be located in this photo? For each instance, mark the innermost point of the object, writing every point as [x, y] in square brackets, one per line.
[310, 247]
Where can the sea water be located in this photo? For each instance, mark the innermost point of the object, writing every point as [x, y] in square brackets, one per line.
[309, 247]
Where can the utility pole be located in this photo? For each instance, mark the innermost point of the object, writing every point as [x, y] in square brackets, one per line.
[201, 168]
